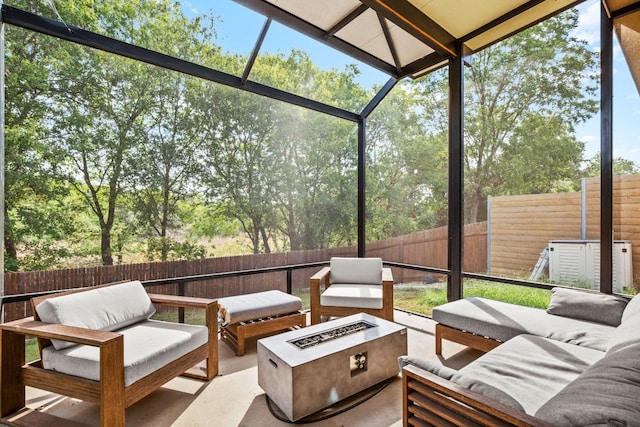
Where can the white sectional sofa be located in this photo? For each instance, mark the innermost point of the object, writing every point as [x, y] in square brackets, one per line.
[575, 364]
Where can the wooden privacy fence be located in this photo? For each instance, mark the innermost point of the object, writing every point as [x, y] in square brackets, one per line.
[520, 227]
[427, 248]
[430, 248]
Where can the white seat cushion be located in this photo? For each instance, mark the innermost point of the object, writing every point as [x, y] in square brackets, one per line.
[241, 308]
[353, 295]
[148, 346]
[532, 369]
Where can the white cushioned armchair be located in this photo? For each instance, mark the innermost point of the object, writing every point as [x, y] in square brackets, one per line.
[98, 344]
[352, 285]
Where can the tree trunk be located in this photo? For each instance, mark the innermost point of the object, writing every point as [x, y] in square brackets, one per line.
[474, 203]
[9, 243]
[105, 246]
[265, 240]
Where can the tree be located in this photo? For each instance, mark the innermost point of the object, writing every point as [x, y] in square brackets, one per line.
[288, 176]
[405, 186]
[105, 104]
[621, 166]
[234, 128]
[315, 183]
[164, 169]
[523, 98]
[33, 210]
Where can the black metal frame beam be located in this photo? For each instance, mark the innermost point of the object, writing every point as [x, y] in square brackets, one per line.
[419, 66]
[519, 29]
[392, 46]
[362, 185]
[382, 93]
[314, 32]
[362, 166]
[254, 53]
[345, 21]
[456, 175]
[419, 26]
[53, 28]
[606, 152]
[630, 8]
[504, 18]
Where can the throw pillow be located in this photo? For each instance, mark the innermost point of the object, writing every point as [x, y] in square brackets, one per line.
[594, 307]
[632, 308]
[606, 394]
[626, 334]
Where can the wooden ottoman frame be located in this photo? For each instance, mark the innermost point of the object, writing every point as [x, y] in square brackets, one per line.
[259, 313]
[236, 333]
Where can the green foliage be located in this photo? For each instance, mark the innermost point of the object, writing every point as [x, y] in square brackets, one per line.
[109, 159]
[406, 187]
[422, 299]
[620, 167]
[167, 249]
[531, 297]
[523, 98]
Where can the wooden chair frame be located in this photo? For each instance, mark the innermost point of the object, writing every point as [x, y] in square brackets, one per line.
[318, 310]
[110, 392]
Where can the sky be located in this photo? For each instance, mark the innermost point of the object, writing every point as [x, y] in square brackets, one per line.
[626, 101]
[239, 29]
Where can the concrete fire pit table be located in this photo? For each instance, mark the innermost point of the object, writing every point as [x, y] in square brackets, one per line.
[310, 369]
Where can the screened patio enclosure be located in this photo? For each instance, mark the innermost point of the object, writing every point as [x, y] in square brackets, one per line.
[397, 39]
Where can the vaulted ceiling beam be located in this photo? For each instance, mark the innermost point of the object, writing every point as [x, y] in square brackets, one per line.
[415, 22]
[392, 47]
[630, 8]
[504, 18]
[291, 21]
[346, 20]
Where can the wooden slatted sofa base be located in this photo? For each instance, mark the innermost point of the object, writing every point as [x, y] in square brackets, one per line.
[256, 314]
[111, 376]
[429, 400]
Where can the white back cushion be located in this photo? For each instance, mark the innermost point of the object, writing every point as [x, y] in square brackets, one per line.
[631, 309]
[356, 270]
[107, 308]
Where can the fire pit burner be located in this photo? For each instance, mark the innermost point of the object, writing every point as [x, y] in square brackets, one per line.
[330, 334]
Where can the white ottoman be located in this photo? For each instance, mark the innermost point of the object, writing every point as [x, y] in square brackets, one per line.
[260, 313]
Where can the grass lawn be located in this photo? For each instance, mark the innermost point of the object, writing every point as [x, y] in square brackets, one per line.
[422, 299]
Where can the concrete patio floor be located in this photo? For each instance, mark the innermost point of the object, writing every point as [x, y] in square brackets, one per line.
[234, 398]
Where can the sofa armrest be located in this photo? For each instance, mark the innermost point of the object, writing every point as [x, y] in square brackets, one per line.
[15, 376]
[315, 288]
[387, 275]
[320, 277]
[182, 301]
[30, 327]
[434, 400]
